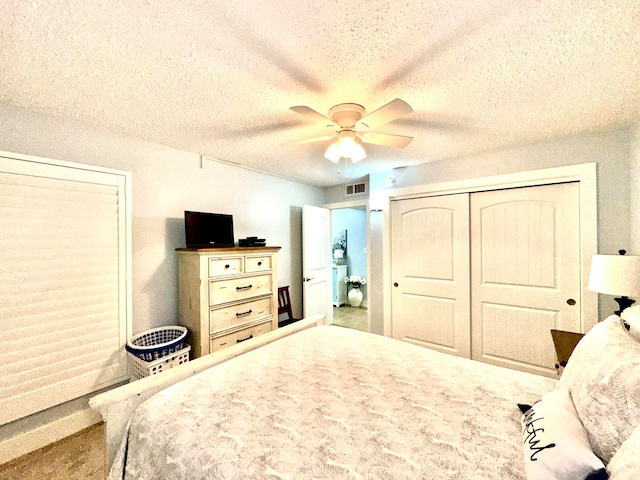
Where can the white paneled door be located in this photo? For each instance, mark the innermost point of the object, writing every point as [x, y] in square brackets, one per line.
[525, 274]
[317, 267]
[487, 275]
[430, 272]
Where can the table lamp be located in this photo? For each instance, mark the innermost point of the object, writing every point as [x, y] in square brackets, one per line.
[338, 255]
[616, 275]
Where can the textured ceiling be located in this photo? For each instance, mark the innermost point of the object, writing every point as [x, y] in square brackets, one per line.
[218, 77]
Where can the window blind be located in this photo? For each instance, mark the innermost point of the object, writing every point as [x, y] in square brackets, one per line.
[64, 266]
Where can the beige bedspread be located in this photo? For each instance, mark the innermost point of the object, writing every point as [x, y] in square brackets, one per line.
[332, 403]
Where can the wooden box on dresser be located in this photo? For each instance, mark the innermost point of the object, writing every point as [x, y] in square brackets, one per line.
[227, 295]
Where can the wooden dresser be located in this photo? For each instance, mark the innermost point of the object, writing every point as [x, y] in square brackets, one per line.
[226, 295]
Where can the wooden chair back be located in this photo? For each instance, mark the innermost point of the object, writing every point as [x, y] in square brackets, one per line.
[284, 307]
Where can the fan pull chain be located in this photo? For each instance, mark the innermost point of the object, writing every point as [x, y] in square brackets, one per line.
[346, 172]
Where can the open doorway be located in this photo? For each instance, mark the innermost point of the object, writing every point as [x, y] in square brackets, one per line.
[350, 274]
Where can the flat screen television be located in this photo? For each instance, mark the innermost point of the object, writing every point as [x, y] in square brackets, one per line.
[208, 230]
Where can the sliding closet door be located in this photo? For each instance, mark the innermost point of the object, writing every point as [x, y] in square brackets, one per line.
[430, 272]
[525, 274]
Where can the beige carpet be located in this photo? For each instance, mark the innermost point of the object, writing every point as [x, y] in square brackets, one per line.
[78, 457]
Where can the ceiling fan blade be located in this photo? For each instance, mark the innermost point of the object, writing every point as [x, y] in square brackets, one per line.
[385, 114]
[311, 140]
[311, 114]
[386, 139]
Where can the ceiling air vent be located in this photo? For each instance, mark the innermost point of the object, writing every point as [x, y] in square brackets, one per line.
[355, 189]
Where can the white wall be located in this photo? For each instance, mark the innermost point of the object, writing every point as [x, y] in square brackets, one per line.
[166, 182]
[634, 200]
[336, 194]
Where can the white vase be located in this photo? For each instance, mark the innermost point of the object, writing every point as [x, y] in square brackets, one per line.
[355, 297]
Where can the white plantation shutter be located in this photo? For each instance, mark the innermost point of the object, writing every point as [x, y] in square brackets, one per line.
[64, 295]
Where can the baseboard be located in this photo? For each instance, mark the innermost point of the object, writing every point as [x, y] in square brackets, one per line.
[44, 435]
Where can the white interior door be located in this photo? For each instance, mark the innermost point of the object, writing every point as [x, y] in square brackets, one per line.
[317, 265]
[430, 272]
[525, 274]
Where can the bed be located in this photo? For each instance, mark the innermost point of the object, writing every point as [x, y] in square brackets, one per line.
[325, 402]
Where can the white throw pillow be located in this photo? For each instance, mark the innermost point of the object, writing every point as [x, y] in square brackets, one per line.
[603, 376]
[555, 443]
[631, 316]
[625, 464]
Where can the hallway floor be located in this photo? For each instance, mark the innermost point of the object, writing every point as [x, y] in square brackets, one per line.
[351, 317]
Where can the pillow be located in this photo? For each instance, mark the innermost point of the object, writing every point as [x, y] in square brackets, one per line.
[631, 317]
[555, 443]
[524, 408]
[624, 464]
[603, 377]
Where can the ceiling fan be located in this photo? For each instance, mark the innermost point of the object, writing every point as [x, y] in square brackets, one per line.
[350, 124]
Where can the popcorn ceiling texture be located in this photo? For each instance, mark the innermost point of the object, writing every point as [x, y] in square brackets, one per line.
[218, 78]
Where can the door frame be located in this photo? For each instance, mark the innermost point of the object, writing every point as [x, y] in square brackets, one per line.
[364, 202]
[585, 174]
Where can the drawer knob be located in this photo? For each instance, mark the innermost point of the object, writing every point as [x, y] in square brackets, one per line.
[244, 288]
[259, 263]
[227, 266]
[244, 313]
[243, 339]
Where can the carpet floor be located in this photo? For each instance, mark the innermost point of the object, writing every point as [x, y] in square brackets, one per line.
[78, 457]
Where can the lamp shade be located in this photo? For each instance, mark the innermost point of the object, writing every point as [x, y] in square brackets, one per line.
[615, 275]
[345, 147]
[333, 153]
[357, 153]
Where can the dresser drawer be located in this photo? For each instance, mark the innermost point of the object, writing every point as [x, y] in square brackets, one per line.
[225, 266]
[219, 343]
[226, 317]
[222, 291]
[257, 264]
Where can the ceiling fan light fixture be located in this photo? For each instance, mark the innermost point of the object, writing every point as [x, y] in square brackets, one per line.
[348, 118]
[357, 153]
[346, 143]
[345, 147]
[333, 153]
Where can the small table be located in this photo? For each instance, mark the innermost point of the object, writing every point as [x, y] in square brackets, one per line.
[564, 343]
